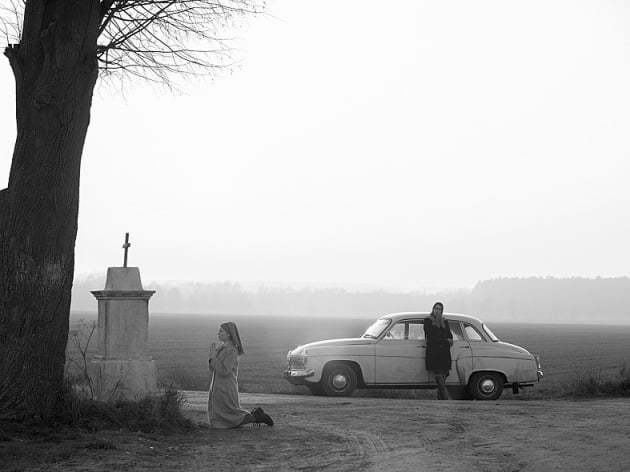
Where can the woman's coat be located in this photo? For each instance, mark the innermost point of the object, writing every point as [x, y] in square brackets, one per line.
[224, 410]
[438, 355]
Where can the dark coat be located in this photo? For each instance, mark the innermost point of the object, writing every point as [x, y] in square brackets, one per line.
[438, 357]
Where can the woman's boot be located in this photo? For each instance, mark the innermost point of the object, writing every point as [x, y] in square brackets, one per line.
[261, 417]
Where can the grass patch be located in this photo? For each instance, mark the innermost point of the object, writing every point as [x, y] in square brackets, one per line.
[155, 413]
[596, 385]
[87, 426]
[100, 444]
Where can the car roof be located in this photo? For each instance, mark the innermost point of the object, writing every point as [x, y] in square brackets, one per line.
[416, 314]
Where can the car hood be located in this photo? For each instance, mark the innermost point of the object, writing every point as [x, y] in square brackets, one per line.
[333, 342]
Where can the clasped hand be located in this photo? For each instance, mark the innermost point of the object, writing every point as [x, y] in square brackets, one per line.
[213, 350]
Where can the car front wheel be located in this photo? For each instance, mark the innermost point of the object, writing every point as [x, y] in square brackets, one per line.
[338, 380]
[486, 385]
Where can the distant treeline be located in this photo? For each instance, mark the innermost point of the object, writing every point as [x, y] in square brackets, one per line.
[534, 299]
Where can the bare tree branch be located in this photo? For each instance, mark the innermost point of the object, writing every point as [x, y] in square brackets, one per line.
[11, 20]
[156, 40]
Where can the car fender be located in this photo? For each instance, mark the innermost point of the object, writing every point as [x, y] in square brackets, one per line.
[365, 364]
[514, 370]
[463, 368]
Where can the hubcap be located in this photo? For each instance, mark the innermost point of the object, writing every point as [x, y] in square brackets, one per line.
[487, 386]
[339, 381]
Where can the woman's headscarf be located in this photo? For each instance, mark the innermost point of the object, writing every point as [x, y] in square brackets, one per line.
[231, 329]
[435, 319]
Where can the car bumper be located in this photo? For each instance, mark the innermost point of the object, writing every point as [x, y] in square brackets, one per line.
[539, 372]
[298, 377]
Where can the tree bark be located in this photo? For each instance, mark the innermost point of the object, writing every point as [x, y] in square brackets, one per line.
[55, 71]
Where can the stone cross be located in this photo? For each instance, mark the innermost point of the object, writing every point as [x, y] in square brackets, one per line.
[126, 247]
[123, 367]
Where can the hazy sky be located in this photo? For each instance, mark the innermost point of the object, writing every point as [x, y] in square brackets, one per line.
[404, 144]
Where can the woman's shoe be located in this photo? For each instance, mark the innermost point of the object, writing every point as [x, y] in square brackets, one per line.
[442, 391]
[261, 417]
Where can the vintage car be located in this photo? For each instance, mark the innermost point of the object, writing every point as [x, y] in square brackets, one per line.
[391, 354]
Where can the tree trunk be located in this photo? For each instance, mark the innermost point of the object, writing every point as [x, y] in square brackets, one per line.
[55, 71]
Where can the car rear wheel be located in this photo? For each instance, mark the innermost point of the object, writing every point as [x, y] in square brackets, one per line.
[459, 392]
[338, 380]
[316, 389]
[486, 385]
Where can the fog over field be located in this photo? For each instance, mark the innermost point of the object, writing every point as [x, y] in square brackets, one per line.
[179, 344]
[412, 145]
[531, 300]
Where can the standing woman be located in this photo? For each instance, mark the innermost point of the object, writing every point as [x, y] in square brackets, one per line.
[224, 410]
[439, 341]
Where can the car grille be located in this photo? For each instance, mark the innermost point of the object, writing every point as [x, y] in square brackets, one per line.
[296, 363]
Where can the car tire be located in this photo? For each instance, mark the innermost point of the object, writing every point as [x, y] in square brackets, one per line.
[338, 380]
[459, 392]
[316, 389]
[486, 385]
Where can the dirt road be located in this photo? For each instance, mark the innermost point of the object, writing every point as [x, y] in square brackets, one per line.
[355, 434]
[364, 434]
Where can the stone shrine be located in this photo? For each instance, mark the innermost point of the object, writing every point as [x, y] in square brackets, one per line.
[122, 368]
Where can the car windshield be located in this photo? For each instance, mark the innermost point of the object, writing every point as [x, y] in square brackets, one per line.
[490, 333]
[377, 328]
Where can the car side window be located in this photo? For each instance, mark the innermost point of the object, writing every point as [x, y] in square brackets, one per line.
[409, 329]
[416, 330]
[472, 334]
[396, 332]
[456, 330]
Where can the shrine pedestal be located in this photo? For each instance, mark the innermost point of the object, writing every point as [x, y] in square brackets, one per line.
[123, 369]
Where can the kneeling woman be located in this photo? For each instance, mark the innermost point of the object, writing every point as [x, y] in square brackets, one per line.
[224, 410]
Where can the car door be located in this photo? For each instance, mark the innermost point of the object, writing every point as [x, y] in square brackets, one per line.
[483, 352]
[461, 355]
[400, 354]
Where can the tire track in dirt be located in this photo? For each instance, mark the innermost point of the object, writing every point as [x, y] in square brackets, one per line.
[367, 444]
[361, 446]
[436, 428]
[457, 427]
[370, 452]
[365, 434]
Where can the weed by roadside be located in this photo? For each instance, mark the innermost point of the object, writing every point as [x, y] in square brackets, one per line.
[84, 424]
[161, 412]
[596, 384]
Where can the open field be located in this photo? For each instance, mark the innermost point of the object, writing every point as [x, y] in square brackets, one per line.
[539, 433]
[179, 344]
